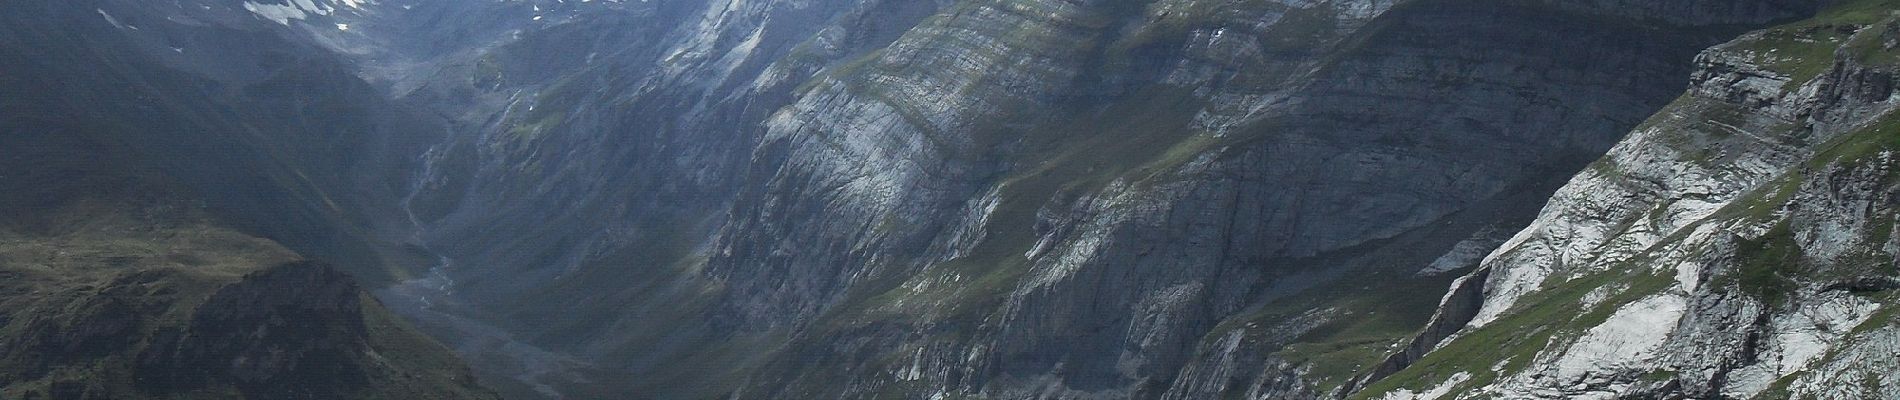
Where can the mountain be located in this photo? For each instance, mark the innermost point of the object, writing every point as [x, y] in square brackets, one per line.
[182, 193]
[1010, 198]
[1061, 199]
[1737, 245]
[116, 282]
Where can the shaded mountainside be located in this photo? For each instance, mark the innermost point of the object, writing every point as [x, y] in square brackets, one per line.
[117, 284]
[154, 158]
[275, 132]
[1739, 244]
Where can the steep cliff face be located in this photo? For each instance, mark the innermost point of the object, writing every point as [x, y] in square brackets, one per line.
[1738, 244]
[1007, 198]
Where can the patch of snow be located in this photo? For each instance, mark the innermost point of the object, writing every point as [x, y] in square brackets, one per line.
[301, 9]
[279, 13]
[109, 18]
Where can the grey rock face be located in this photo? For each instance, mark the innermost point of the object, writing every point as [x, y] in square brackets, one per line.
[1010, 199]
[1736, 245]
[1018, 199]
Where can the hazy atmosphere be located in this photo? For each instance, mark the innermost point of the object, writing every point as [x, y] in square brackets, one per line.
[949, 199]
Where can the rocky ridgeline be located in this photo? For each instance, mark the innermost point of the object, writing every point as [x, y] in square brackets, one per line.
[1738, 244]
[1028, 198]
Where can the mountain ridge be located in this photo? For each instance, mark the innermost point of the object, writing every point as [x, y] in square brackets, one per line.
[1020, 198]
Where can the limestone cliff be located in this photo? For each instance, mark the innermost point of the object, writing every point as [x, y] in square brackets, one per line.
[1013, 198]
[1736, 245]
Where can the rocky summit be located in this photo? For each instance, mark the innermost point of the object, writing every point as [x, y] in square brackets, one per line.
[949, 199]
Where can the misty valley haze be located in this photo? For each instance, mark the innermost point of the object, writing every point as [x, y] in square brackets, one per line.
[949, 199]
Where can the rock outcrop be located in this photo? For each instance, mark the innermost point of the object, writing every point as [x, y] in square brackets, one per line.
[1737, 245]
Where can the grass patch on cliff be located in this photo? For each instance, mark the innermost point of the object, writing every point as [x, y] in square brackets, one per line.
[1875, 46]
[550, 108]
[1770, 267]
[1051, 164]
[1292, 29]
[1376, 319]
[534, 129]
[1856, 148]
[1766, 265]
[1540, 319]
[1092, 148]
[1805, 49]
[962, 53]
[115, 283]
[1801, 52]
[1887, 315]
